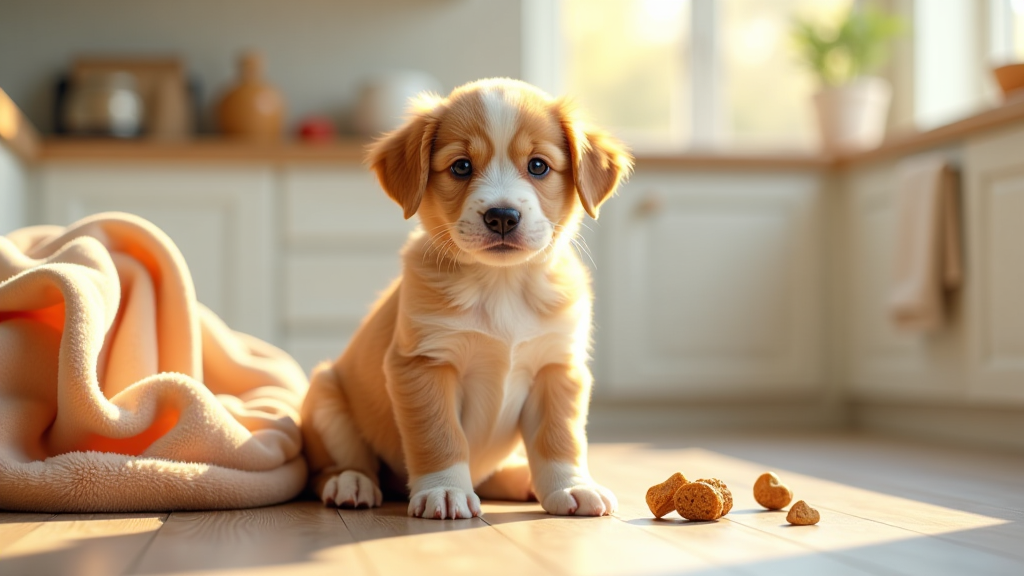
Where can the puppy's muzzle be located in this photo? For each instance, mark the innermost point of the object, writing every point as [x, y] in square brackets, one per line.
[502, 221]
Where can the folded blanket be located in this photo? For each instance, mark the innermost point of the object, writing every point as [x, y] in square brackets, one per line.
[119, 392]
[927, 261]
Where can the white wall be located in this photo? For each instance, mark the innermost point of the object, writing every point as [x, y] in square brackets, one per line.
[317, 51]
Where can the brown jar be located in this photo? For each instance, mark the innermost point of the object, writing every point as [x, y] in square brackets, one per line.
[252, 110]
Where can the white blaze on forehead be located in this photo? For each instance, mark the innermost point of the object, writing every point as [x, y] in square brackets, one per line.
[501, 179]
[502, 110]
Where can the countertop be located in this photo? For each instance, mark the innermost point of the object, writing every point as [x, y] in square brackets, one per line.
[25, 141]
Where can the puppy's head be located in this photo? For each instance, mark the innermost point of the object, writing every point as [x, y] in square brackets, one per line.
[498, 172]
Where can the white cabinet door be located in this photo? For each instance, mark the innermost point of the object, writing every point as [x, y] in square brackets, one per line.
[342, 236]
[882, 361]
[995, 201]
[220, 218]
[710, 285]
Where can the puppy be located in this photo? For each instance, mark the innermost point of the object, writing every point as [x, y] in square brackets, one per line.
[478, 352]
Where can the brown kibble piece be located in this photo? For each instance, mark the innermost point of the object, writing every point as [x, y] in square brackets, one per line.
[771, 493]
[702, 500]
[802, 515]
[659, 497]
[723, 490]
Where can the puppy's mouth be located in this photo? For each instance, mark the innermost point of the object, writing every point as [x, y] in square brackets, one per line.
[503, 247]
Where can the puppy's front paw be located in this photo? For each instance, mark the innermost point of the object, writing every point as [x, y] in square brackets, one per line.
[441, 503]
[351, 489]
[581, 500]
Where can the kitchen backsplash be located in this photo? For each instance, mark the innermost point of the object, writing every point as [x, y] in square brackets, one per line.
[318, 52]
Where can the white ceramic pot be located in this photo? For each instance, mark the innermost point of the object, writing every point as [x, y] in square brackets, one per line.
[384, 99]
[852, 117]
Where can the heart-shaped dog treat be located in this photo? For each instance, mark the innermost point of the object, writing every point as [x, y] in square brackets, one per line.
[703, 500]
[802, 515]
[771, 493]
[659, 497]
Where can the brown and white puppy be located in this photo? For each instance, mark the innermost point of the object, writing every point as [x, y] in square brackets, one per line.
[480, 348]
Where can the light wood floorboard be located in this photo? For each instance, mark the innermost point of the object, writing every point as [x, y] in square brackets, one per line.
[15, 525]
[293, 538]
[888, 507]
[81, 544]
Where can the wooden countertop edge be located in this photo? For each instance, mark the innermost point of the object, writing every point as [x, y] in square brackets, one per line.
[16, 131]
[26, 142]
[900, 145]
[200, 150]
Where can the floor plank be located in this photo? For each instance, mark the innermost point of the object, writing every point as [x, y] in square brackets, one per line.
[902, 468]
[901, 536]
[292, 538]
[15, 525]
[396, 544]
[726, 543]
[592, 546]
[81, 544]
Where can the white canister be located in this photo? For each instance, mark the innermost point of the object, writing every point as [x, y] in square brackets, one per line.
[384, 100]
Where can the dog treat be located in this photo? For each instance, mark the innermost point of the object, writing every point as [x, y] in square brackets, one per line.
[802, 515]
[723, 490]
[771, 493]
[703, 500]
[659, 497]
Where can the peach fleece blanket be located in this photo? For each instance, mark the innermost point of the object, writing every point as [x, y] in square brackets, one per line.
[119, 392]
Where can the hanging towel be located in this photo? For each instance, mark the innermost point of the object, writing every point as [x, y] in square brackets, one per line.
[119, 392]
[928, 266]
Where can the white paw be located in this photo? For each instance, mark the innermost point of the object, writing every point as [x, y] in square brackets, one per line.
[351, 489]
[581, 500]
[441, 503]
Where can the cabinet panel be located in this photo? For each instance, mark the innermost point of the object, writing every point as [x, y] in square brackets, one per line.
[219, 218]
[338, 205]
[311, 349]
[883, 361]
[996, 251]
[712, 286]
[13, 191]
[336, 288]
[1004, 270]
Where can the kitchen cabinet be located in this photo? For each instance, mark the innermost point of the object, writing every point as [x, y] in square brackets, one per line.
[883, 362]
[994, 187]
[340, 249]
[710, 286]
[221, 218]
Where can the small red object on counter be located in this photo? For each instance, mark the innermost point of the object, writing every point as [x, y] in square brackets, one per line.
[316, 129]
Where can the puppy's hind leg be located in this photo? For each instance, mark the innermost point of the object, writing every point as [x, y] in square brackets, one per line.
[343, 467]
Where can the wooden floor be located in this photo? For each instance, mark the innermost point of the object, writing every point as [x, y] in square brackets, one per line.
[886, 508]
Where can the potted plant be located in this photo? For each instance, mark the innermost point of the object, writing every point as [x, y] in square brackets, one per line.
[852, 105]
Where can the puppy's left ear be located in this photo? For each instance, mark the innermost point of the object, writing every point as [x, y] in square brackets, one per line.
[401, 158]
[599, 162]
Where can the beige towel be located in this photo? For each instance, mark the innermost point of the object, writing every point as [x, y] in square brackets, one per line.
[928, 264]
[119, 392]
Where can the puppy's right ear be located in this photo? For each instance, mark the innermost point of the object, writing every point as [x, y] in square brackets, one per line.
[401, 158]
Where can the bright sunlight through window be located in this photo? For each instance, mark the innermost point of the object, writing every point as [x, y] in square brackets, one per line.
[668, 73]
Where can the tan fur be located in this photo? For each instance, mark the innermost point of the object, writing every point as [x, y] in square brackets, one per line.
[472, 350]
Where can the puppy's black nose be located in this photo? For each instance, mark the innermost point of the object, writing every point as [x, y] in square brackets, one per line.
[502, 220]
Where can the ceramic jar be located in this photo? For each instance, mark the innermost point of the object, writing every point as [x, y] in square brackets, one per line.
[252, 110]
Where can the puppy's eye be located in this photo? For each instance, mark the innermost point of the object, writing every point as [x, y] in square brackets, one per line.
[537, 167]
[462, 168]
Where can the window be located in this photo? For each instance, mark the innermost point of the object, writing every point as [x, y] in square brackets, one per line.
[693, 73]
[1006, 19]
